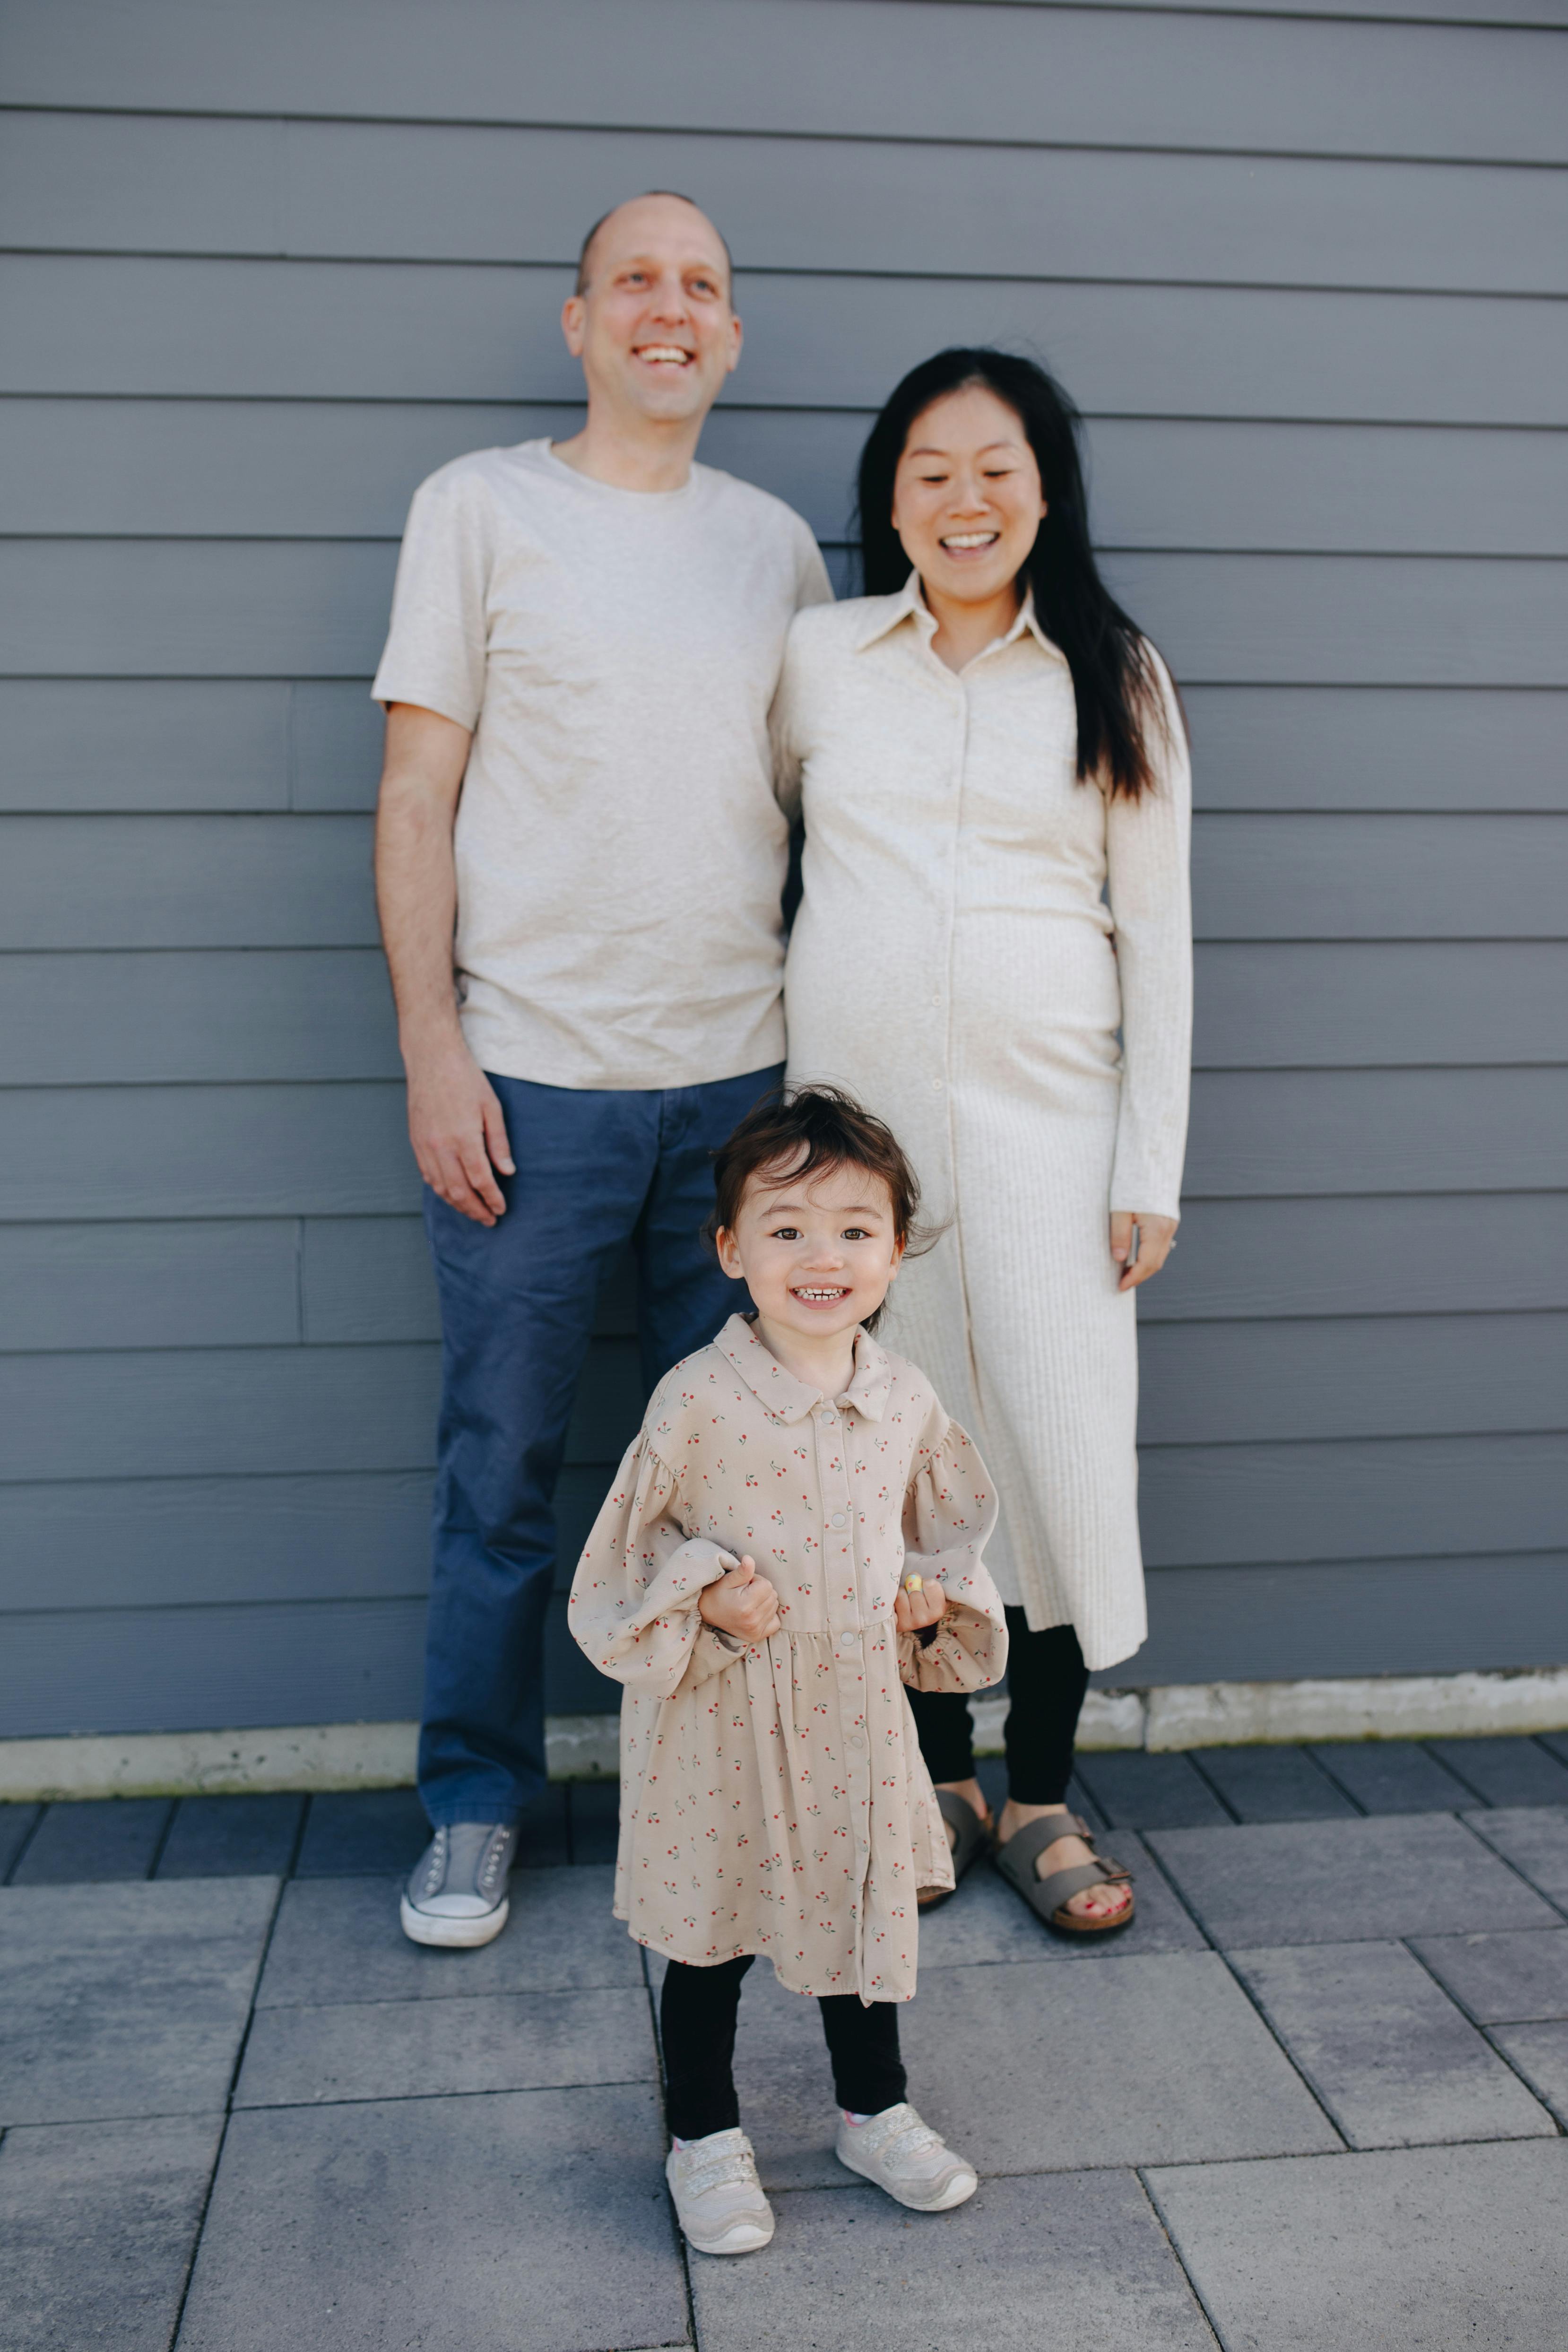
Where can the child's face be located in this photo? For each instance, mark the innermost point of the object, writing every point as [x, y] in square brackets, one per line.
[816, 1257]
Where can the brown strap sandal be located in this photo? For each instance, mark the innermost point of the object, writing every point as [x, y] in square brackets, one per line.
[1048, 1897]
[971, 1833]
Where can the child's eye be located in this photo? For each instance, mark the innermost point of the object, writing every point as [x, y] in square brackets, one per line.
[786, 1233]
[855, 1233]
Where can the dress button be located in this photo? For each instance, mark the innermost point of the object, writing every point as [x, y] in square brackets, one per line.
[840, 1519]
[856, 1741]
[935, 1086]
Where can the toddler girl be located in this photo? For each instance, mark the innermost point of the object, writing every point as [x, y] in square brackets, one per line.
[796, 1533]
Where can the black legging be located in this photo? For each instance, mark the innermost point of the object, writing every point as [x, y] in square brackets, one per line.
[698, 2011]
[1046, 1682]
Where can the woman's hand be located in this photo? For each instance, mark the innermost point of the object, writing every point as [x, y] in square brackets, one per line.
[1156, 1239]
[914, 1612]
[741, 1603]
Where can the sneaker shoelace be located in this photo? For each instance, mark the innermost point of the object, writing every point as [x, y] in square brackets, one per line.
[435, 1876]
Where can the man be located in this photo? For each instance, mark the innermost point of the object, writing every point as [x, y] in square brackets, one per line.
[579, 863]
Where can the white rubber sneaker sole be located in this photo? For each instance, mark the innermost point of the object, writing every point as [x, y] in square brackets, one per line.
[463, 1934]
[743, 2238]
[957, 2191]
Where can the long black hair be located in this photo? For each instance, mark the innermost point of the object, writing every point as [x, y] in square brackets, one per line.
[1114, 681]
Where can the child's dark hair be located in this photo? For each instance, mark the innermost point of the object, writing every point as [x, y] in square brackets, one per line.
[804, 1131]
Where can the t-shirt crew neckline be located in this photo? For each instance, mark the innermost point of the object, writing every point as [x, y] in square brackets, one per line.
[545, 448]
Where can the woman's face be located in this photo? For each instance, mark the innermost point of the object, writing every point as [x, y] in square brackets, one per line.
[966, 497]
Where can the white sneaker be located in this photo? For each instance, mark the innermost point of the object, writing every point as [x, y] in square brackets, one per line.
[719, 2202]
[456, 1892]
[907, 2158]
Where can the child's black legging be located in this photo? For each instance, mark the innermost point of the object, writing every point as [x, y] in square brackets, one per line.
[698, 2011]
[1046, 1682]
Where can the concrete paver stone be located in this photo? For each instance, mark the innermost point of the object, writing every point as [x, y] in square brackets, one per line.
[1273, 1784]
[1075, 2259]
[1541, 2053]
[339, 1939]
[1534, 1838]
[409, 2048]
[16, 1823]
[1392, 1776]
[1264, 1883]
[232, 1837]
[1411, 2250]
[985, 1920]
[126, 2000]
[99, 2222]
[355, 1830]
[1503, 1980]
[1517, 1772]
[1385, 2050]
[1159, 2060]
[102, 1838]
[1144, 1792]
[529, 2221]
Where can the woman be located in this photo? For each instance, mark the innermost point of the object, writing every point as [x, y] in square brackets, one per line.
[995, 792]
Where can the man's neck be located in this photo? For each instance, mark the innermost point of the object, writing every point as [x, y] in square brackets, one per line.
[634, 453]
[827, 1365]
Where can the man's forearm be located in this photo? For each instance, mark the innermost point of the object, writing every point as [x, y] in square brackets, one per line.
[416, 875]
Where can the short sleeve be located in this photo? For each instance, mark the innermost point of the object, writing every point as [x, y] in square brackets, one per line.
[812, 585]
[949, 1511]
[435, 650]
[633, 1605]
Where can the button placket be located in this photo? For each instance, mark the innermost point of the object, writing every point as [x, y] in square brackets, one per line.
[844, 1623]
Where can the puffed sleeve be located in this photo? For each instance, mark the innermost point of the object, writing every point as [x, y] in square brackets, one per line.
[633, 1605]
[949, 1510]
[1148, 844]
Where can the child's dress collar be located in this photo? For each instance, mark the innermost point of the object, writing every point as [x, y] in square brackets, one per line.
[790, 1399]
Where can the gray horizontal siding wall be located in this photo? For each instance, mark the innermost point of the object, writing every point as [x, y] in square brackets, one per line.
[264, 268]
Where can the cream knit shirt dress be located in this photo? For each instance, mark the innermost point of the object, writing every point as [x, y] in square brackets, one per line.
[976, 927]
[773, 1798]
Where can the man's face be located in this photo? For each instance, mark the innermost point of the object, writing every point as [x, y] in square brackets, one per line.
[655, 331]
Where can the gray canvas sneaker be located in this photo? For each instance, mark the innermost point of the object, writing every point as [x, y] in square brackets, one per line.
[907, 2158]
[456, 1892]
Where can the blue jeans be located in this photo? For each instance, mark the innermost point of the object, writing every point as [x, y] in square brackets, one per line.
[594, 1170]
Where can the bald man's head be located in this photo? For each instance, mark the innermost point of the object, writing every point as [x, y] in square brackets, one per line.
[585, 259]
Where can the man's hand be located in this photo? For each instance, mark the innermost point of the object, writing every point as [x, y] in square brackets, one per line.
[457, 1128]
[1156, 1239]
[742, 1603]
[914, 1612]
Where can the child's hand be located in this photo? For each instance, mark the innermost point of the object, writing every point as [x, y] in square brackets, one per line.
[742, 1603]
[913, 1611]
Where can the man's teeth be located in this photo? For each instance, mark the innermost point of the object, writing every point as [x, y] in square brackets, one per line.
[971, 539]
[664, 352]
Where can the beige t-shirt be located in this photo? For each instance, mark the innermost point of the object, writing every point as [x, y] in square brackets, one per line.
[620, 847]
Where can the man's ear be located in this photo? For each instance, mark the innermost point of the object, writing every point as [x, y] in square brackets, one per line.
[573, 322]
[735, 342]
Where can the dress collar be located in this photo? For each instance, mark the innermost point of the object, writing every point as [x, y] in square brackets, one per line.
[790, 1399]
[910, 604]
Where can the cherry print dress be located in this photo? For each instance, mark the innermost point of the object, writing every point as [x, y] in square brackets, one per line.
[773, 1798]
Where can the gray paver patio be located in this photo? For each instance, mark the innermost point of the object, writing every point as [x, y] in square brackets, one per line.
[1411, 2250]
[99, 2223]
[1077, 2259]
[1541, 2053]
[409, 2049]
[1385, 2048]
[526, 2221]
[340, 1936]
[126, 2000]
[1296, 1883]
[1535, 1839]
[1144, 1792]
[1505, 1771]
[386, 2180]
[74, 1843]
[1503, 1980]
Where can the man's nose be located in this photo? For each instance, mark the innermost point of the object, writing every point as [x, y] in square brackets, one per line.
[670, 304]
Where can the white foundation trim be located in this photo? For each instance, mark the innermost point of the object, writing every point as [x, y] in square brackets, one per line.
[586, 1747]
